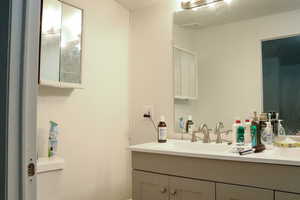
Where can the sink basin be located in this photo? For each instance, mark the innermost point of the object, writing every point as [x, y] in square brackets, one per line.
[198, 146]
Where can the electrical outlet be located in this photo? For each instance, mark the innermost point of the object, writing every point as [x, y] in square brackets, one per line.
[148, 109]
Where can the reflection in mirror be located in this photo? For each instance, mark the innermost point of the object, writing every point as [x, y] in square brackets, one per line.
[70, 66]
[234, 47]
[50, 40]
[281, 80]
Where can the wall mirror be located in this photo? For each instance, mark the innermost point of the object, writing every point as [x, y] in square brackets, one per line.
[61, 38]
[233, 57]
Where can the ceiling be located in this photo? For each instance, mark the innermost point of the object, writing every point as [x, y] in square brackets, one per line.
[137, 4]
[237, 10]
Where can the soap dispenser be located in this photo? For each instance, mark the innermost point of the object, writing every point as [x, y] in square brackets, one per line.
[281, 131]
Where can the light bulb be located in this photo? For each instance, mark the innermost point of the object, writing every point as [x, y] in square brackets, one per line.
[228, 1]
[212, 5]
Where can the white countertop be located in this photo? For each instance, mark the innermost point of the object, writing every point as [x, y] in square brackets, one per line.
[280, 156]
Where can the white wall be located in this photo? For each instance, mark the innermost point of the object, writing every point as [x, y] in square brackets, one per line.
[151, 72]
[94, 122]
[230, 64]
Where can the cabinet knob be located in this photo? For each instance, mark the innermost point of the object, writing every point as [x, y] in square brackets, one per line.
[173, 192]
[163, 190]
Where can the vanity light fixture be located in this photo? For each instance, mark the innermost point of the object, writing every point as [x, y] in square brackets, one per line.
[192, 4]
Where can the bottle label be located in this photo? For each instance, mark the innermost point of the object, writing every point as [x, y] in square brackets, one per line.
[162, 133]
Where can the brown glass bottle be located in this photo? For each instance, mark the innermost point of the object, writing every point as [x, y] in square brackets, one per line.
[162, 130]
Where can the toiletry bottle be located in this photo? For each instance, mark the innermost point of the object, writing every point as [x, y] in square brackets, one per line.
[276, 125]
[190, 125]
[162, 130]
[255, 122]
[181, 126]
[263, 119]
[247, 131]
[52, 140]
[267, 136]
[240, 135]
[234, 130]
[281, 131]
[253, 136]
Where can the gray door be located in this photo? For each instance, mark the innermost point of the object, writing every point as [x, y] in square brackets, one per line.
[233, 192]
[188, 189]
[4, 69]
[148, 186]
[286, 196]
[19, 52]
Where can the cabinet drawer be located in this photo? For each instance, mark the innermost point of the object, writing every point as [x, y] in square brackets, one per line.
[189, 189]
[233, 192]
[286, 196]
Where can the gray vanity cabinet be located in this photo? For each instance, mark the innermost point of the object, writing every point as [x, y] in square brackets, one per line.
[189, 189]
[233, 192]
[149, 186]
[286, 196]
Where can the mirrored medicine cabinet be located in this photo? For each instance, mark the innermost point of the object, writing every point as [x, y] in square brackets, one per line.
[231, 58]
[61, 45]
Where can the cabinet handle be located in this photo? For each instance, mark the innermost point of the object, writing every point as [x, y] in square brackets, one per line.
[163, 190]
[173, 192]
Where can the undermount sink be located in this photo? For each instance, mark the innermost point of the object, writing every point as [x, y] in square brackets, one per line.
[198, 146]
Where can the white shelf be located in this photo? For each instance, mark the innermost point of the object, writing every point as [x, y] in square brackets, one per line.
[50, 164]
[185, 98]
[57, 84]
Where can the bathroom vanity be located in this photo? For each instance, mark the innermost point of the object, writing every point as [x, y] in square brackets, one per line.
[194, 171]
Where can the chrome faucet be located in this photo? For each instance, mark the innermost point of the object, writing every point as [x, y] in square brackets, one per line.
[204, 129]
[218, 132]
[218, 128]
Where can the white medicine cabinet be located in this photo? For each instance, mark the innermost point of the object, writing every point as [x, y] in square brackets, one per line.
[185, 73]
[61, 45]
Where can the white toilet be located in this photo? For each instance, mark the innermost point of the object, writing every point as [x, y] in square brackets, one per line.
[49, 178]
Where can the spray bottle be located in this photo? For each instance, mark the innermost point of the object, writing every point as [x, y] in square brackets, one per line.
[52, 142]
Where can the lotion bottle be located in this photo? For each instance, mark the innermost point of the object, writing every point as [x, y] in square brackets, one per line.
[235, 127]
[162, 130]
[247, 131]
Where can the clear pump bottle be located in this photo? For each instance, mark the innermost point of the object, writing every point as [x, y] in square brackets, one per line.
[267, 136]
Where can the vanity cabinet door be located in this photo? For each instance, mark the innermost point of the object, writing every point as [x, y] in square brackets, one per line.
[286, 196]
[233, 192]
[189, 189]
[149, 186]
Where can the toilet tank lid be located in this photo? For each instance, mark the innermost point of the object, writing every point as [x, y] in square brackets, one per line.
[50, 164]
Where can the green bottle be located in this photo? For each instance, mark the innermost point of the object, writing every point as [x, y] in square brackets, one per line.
[253, 136]
[240, 135]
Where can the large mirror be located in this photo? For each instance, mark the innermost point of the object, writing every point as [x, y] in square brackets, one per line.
[234, 57]
[61, 37]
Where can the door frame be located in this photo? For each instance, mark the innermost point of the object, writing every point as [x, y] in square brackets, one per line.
[21, 84]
